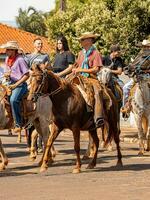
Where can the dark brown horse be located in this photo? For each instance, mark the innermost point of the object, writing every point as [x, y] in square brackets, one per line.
[70, 111]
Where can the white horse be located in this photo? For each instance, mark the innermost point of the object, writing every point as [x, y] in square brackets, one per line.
[40, 118]
[141, 109]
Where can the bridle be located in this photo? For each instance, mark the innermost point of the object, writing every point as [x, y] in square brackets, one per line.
[38, 92]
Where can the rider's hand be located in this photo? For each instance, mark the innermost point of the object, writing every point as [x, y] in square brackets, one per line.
[76, 70]
[13, 86]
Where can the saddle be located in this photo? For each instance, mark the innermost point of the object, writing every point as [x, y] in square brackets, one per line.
[86, 89]
[85, 86]
[27, 107]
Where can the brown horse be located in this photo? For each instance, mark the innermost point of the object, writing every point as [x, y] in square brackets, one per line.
[41, 118]
[70, 111]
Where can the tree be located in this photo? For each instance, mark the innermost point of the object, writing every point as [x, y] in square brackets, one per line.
[32, 21]
[116, 21]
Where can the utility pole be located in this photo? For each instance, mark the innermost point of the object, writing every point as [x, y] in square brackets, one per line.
[62, 5]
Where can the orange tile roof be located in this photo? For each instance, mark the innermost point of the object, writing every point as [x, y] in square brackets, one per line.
[25, 39]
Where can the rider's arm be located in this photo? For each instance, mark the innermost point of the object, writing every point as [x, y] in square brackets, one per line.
[22, 80]
[92, 70]
[66, 71]
[70, 59]
[117, 71]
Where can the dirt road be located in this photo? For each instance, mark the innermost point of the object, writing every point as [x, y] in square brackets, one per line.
[22, 180]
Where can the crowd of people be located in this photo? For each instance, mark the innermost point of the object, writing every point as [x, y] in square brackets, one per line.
[89, 61]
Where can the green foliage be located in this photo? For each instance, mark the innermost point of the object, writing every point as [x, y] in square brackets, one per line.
[116, 21]
[32, 21]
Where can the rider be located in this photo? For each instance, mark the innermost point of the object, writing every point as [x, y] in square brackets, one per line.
[143, 55]
[18, 72]
[64, 58]
[88, 64]
[115, 63]
[37, 57]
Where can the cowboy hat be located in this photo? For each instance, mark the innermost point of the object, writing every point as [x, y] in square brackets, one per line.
[10, 45]
[87, 35]
[143, 43]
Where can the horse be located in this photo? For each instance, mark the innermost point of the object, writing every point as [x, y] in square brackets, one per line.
[41, 118]
[105, 77]
[140, 103]
[70, 111]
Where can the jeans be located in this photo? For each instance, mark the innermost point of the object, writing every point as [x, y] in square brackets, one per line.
[15, 101]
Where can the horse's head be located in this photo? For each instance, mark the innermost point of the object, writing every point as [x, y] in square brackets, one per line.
[37, 82]
[104, 75]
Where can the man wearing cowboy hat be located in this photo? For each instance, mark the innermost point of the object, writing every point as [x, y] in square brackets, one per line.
[17, 70]
[142, 60]
[89, 62]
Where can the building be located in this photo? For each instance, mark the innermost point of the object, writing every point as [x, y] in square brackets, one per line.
[25, 40]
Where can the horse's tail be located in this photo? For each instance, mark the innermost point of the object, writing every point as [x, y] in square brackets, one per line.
[113, 122]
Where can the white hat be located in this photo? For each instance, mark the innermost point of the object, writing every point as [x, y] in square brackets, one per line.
[10, 45]
[144, 43]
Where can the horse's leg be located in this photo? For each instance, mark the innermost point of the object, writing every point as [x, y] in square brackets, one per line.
[117, 141]
[76, 136]
[42, 127]
[26, 135]
[54, 133]
[148, 140]
[19, 137]
[29, 137]
[89, 151]
[95, 138]
[146, 132]
[141, 136]
[33, 151]
[53, 150]
[4, 162]
[9, 132]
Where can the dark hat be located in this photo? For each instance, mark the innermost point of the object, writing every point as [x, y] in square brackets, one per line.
[115, 47]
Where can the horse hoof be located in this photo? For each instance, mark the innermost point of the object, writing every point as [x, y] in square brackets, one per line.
[119, 164]
[110, 148]
[50, 162]
[2, 167]
[18, 141]
[103, 144]
[90, 166]
[43, 169]
[32, 159]
[85, 157]
[28, 149]
[6, 162]
[76, 171]
[140, 153]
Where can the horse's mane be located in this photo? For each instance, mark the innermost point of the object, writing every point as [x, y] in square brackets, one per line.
[63, 83]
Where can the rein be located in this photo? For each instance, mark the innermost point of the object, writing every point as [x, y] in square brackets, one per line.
[38, 93]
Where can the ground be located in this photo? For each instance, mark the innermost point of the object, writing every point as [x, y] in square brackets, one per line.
[22, 180]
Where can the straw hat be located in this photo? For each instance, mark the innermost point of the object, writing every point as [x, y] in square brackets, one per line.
[87, 35]
[144, 43]
[10, 45]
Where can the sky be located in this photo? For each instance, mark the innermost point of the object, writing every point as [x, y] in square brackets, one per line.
[9, 8]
